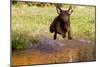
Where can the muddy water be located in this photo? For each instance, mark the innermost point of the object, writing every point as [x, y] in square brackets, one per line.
[49, 51]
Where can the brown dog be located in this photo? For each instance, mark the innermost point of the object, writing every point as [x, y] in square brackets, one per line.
[61, 23]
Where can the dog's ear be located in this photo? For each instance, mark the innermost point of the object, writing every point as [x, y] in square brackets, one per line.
[59, 10]
[70, 10]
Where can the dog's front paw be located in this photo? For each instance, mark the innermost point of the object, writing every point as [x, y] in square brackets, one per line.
[70, 38]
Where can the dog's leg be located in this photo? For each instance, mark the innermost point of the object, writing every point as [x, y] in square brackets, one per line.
[55, 35]
[69, 33]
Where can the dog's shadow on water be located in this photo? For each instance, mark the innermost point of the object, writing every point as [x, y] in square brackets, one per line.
[48, 45]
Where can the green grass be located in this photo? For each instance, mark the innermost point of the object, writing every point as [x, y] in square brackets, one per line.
[31, 23]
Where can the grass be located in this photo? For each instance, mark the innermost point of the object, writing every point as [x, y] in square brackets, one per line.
[31, 23]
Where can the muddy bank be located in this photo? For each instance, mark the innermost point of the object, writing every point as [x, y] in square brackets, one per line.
[48, 51]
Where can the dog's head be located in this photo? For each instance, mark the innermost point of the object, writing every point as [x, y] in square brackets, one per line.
[64, 14]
